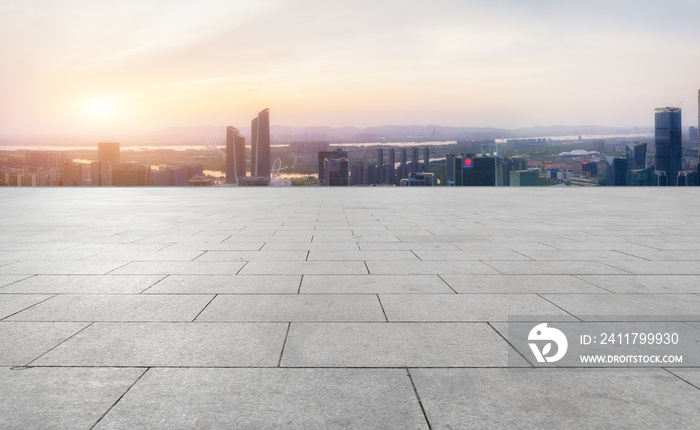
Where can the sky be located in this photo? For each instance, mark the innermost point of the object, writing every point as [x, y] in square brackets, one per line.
[88, 67]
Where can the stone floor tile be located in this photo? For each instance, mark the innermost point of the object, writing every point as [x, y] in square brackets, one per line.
[519, 284]
[654, 267]
[60, 268]
[469, 255]
[227, 284]
[180, 268]
[361, 255]
[83, 284]
[168, 344]
[362, 284]
[111, 307]
[627, 284]
[284, 308]
[13, 303]
[428, 268]
[23, 342]
[253, 256]
[466, 307]
[633, 307]
[72, 398]
[313, 246]
[10, 279]
[582, 399]
[293, 399]
[556, 267]
[304, 268]
[394, 345]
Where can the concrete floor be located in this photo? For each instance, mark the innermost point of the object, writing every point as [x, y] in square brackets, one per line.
[367, 308]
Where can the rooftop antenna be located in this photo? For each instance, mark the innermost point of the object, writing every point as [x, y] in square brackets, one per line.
[679, 104]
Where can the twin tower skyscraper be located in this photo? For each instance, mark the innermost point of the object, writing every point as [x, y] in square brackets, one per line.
[259, 152]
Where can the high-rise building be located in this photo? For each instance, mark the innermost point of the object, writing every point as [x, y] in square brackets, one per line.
[235, 156]
[403, 166]
[426, 159]
[525, 178]
[260, 145]
[331, 155]
[475, 171]
[391, 171]
[637, 156]
[380, 164]
[668, 140]
[336, 172]
[108, 152]
[616, 172]
[450, 168]
[693, 134]
[589, 169]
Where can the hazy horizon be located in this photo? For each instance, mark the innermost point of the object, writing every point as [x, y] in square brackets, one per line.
[83, 68]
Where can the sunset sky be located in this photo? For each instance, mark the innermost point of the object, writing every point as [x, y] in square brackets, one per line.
[81, 66]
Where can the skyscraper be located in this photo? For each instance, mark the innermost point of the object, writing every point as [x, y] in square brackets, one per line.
[108, 152]
[426, 159]
[235, 155]
[331, 155]
[669, 150]
[391, 171]
[380, 164]
[260, 145]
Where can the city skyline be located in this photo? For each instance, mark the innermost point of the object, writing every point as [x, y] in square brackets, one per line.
[133, 67]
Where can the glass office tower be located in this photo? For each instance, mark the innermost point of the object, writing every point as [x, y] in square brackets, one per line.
[669, 151]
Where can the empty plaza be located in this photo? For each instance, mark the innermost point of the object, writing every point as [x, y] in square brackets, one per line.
[324, 308]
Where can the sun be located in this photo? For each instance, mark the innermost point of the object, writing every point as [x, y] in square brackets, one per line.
[101, 108]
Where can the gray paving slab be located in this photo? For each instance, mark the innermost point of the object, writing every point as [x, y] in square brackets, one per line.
[168, 344]
[361, 255]
[164, 255]
[469, 255]
[654, 267]
[515, 245]
[655, 255]
[60, 268]
[645, 283]
[690, 375]
[304, 268]
[428, 267]
[500, 398]
[18, 245]
[313, 246]
[394, 345]
[253, 256]
[13, 303]
[225, 246]
[362, 284]
[23, 342]
[9, 279]
[556, 267]
[269, 399]
[633, 307]
[519, 284]
[358, 239]
[397, 246]
[43, 398]
[296, 307]
[599, 255]
[466, 307]
[110, 307]
[66, 255]
[83, 284]
[227, 284]
[179, 268]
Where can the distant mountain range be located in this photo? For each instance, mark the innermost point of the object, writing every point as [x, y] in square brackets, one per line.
[196, 135]
[284, 134]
